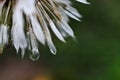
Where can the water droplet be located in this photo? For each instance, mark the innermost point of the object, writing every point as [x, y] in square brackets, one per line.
[34, 56]
[53, 51]
[52, 48]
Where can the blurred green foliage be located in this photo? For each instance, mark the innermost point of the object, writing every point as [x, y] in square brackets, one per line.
[96, 55]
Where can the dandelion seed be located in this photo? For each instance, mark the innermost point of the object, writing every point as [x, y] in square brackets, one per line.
[30, 22]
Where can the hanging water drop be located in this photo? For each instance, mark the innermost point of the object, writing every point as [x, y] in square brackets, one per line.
[35, 55]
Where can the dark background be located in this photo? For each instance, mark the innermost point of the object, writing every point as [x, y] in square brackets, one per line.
[94, 56]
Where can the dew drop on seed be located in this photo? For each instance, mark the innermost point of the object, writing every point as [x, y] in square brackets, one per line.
[53, 51]
[34, 56]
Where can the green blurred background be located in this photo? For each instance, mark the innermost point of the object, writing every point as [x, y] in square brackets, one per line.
[94, 56]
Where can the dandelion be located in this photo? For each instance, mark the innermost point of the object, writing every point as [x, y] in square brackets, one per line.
[29, 22]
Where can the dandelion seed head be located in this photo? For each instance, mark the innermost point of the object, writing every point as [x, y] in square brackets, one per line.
[30, 22]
